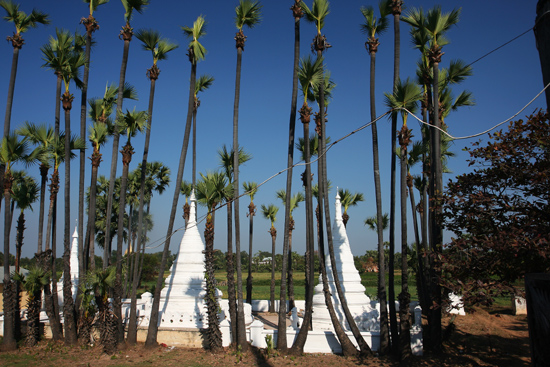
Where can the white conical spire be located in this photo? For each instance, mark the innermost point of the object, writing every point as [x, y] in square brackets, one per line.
[182, 299]
[192, 208]
[358, 302]
[338, 206]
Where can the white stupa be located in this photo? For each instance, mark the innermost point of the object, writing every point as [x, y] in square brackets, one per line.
[365, 315]
[74, 269]
[182, 302]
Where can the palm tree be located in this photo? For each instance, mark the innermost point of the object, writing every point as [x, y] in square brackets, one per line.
[270, 212]
[132, 122]
[69, 72]
[435, 24]
[404, 98]
[57, 157]
[203, 83]
[295, 200]
[309, 74]
[374, 27]
[91, 25]
[297, 14]
[57, 54]
[99, 134]
[211, 191]
[100, 113]
[42, 136]
[12, 150]
[396, 8]
[247, 13]
[126, 35]
[226, 164]
[196, 53]
[99, 282]
[348, 199]
[33, 283]
[317, 15]
[250, 188]
[25, 193]
[23, 22]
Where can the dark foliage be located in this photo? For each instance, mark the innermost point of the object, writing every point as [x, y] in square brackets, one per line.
[499, 213]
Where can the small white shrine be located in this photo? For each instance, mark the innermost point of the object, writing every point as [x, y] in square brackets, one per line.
[364, 312]
[182, 302]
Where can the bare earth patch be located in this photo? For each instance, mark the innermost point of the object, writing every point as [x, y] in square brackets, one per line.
[479, 339]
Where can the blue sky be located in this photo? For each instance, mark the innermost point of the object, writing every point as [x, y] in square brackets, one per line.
[502, 84]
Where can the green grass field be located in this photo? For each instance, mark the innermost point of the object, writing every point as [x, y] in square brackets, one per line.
[261, 284]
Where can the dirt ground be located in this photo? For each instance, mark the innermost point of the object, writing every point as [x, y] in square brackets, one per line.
[494, 338]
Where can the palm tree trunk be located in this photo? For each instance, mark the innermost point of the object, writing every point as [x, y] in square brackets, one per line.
[437, 232]
[391, 293]
[404, 296]
[68, 302]
[213, 333]
[117, 299]
[43, 180]
[9, 104]
[542, 29]
[48, 262]
[241, 331]
[132, 327]
[231, 293]
[348, 349]
[251, 211]
[83, 102]
[127, 36]
[194, 175]
[17, 284]
[90, 243]
[300, 341]
[290, 272]
[384, 331]
[323, 193]
[152, 333]
[9, 342]
[273, 232]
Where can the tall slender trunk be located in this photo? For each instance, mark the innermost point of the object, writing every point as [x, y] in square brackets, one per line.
[404, 296]
[43, 181]
[132, 326]
[90, 237]
[82, 165]
[241, 331]
[273, 233]
[127, 152]
[126, 34]
[391, 292]
[9, 103]
[290, 270]
[437, 231]
[50, 294]
[69, 317]
[231, 294]
[251, 213]
[542, 32]
[152, 332]
[384, 330]
[194, 175]
[9, 342]
[300, 341]
[213, 332]
[323, 192]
